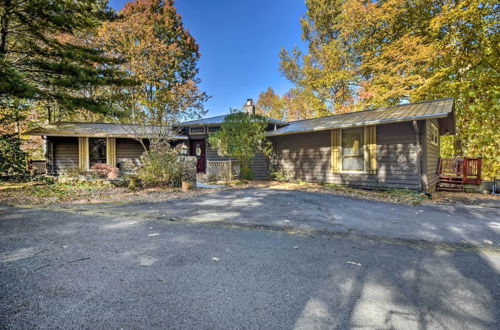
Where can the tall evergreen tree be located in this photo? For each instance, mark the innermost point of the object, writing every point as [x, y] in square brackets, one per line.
[38, 63]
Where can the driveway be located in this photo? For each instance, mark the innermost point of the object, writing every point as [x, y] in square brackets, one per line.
[131, 267]
[449, 223]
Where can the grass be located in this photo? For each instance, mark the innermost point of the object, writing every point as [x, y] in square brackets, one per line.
[61, 191]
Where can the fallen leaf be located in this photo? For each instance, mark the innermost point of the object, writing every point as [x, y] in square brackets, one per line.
[215, 259]
[353, 263]
[155, 234]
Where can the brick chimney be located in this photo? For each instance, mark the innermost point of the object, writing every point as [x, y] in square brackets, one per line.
[249, 107]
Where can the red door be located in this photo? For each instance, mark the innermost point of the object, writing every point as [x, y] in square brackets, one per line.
[198, 150]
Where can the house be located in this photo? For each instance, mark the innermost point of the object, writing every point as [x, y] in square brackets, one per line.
[395, 147]
[81, 145]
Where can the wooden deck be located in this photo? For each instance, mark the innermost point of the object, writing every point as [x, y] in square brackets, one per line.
[455, 173]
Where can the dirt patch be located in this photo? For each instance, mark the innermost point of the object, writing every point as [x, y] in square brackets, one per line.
[39, 194]
[400, 196]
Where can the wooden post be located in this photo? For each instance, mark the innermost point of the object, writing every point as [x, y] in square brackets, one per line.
[230, 170]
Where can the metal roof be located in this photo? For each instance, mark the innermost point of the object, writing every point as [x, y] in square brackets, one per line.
[403, 112]
[220, 119]
[104, 130]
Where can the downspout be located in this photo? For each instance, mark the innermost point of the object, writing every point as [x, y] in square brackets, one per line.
[419, 152]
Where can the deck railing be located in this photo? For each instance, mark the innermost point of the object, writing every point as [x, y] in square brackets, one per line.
[460, 170]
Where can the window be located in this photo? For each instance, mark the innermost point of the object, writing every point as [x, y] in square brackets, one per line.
[196, 130]
[433, 133]
[353, 150]
[212, 129]
[97, 151]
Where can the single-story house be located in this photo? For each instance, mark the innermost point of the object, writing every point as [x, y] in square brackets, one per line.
[81, 145]
[395, 147]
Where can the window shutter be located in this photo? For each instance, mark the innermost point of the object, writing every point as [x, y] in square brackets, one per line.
[335, 151]
[371, 133]
[111, 151]
[83, 153]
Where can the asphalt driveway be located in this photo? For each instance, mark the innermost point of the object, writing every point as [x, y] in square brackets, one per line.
[451, 223]
[205, 263]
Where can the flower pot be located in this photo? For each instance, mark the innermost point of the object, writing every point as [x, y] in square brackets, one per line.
[186, 185]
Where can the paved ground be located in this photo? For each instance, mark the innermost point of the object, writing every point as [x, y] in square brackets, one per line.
[131, 267]
[288, 208]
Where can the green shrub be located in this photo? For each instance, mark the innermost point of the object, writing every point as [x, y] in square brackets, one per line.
[13, 161]
[160, 166]
[279, 175]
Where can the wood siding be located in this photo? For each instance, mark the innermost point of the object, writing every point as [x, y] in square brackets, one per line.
[307, 157]
[128, 151]
[65, 151]
[431, 156]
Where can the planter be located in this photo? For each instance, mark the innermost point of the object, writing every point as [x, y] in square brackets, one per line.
[186, 185]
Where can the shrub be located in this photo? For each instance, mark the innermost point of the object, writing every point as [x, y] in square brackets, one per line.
[73, 172]
[105, 171]
[160, 166]
[13, 161]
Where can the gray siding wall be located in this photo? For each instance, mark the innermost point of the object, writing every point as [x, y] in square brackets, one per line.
[65, 153]
[307, 157]
[431, 156]
[128, 151]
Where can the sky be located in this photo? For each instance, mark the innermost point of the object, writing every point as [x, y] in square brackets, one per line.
[240, 41]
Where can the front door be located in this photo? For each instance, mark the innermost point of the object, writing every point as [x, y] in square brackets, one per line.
[198, 150]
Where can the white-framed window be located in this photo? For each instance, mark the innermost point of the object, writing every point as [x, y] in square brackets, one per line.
[433, 133]
[353, 150]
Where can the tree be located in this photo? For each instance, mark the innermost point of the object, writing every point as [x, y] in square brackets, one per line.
[242, 136]
[39, 64]
[379, 53]
[327, 72]
[161, 56]
[12, 158]
[269, 104]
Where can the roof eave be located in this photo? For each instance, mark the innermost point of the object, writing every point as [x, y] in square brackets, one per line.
[101, 135]
[367, 123]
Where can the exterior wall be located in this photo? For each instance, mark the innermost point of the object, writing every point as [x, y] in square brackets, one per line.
[307, 156]
[128, 151]
[431, 158]
[65, 151]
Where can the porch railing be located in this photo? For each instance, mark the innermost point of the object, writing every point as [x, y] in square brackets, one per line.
[223, 169]
[460, 170]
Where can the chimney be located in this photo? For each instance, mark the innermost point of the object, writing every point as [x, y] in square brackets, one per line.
[249, 107]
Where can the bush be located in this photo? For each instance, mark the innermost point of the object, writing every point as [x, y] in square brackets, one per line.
[74, 172]
[13, 161]
[105, 171]
[160, 166]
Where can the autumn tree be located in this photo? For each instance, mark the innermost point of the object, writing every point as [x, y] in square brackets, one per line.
[269, 104]
[377, 53]
[161, 56]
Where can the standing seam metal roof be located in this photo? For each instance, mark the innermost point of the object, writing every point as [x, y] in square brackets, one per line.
[220, 119]
[405, 112]
[104, 130]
